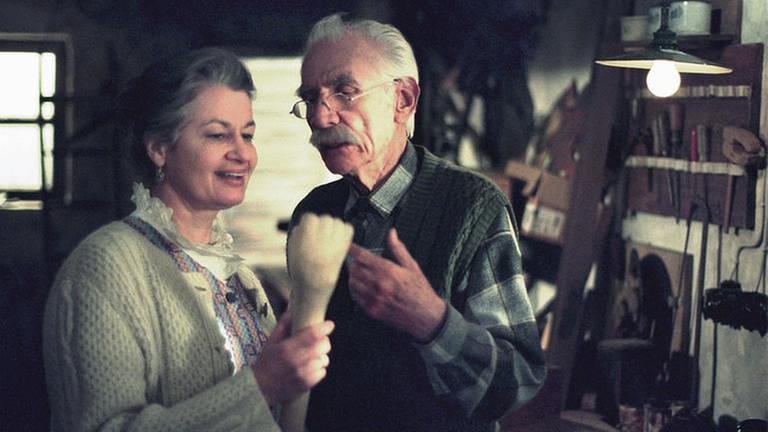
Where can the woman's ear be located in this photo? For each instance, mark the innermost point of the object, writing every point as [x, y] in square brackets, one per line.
[156, 150]
[407, 98]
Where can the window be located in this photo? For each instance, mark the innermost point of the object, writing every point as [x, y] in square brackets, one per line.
[288, 166]
[32, 119]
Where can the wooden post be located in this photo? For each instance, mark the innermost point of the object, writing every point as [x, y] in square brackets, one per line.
[603, 98]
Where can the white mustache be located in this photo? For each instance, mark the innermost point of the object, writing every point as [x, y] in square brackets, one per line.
[333, 135]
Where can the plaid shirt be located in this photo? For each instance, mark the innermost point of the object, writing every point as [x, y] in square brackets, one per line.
[493, 343]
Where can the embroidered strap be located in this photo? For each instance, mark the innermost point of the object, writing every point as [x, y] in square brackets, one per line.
[235, 313]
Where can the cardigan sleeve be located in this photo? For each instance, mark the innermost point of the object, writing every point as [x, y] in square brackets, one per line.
[103, 366]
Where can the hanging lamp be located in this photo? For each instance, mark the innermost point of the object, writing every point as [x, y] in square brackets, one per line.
[664, 60]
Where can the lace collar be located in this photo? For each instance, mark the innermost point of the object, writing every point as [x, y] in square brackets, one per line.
[156, 213]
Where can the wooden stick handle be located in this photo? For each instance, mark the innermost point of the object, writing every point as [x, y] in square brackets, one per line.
[294, 414]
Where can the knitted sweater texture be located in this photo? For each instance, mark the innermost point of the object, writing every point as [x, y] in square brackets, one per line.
[376, 377]
[131, 343]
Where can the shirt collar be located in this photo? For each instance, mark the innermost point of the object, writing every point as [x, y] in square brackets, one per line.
[385, 198]
[153, 211]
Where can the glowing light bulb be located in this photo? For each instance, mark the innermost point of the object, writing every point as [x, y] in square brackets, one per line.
[663, 79]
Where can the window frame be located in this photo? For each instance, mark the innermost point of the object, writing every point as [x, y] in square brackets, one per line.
[61, 46]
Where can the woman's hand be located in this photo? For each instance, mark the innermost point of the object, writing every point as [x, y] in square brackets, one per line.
[290, 365]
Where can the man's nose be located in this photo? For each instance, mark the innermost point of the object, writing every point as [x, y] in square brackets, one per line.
[320, 115]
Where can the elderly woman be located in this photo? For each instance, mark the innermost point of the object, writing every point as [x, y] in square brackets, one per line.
[153, 322]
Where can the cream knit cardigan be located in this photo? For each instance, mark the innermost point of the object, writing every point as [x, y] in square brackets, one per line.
[131, 343]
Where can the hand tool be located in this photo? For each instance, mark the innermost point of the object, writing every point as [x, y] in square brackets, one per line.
[741, 147]
[695, 378]
[662, 134]
[655, 149]
[702, 143]
[693, 146]
[676, 147]
[647, 140]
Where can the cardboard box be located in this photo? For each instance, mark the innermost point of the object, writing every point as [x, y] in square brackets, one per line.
[548, 198]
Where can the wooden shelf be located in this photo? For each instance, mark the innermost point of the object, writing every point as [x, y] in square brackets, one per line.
[688, 43]
[672, 164]
[700, 92]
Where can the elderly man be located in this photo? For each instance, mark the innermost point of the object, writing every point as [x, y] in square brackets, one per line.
[434, 329]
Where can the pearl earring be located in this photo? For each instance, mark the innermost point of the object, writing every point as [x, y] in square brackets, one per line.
[159, 175]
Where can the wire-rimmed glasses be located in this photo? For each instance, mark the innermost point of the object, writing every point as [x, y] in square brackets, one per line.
[335, 102]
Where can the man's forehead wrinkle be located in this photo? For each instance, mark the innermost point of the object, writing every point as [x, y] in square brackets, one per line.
[343, 78]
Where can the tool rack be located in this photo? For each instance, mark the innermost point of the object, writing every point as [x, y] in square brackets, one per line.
[667, 183]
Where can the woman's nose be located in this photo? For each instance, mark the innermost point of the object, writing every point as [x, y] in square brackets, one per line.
[243, 149]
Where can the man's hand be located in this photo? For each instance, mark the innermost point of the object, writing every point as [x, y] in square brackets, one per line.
[396, 293]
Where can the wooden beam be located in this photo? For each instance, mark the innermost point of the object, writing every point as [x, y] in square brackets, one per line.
[602, 97]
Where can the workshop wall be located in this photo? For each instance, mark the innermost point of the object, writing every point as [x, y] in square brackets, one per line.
[114, 40]
[732, 362]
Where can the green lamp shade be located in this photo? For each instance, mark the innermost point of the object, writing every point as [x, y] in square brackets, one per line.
[685, 63]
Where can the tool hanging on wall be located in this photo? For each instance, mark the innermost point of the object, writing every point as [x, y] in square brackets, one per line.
[661, 147]
[693, 146]
[648, 143]
[676, 148]
[702, 143]
[703, 202]
[740, 147]
[655, 146]
[729, 305]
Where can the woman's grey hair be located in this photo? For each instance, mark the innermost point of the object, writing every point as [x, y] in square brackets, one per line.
[396, 52]
[156, 105]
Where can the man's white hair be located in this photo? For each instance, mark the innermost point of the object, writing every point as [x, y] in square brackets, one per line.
[396, 53]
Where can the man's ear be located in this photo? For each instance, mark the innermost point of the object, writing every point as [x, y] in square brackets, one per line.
[407, 98]
[156, 150]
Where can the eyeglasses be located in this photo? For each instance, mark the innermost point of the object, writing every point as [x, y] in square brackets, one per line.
[335, 102]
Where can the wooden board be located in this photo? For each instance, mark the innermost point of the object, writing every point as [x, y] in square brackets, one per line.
[679, 271]
[715, 112]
